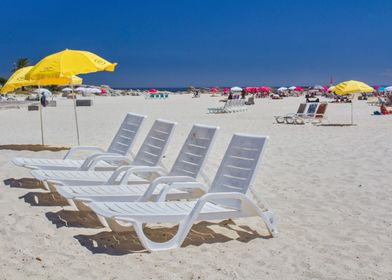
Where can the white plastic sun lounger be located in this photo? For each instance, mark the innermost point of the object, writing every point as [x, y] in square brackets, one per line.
[226, 199]
[121, 145]
[186, 168]
[149, 155]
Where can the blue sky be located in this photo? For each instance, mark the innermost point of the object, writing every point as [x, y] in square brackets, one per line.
[208, 43]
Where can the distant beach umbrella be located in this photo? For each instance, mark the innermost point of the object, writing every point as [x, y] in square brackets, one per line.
[282, 88]
[381, 89]
[388, 88]
[319, 87]
[236, 89]
[93, 90]
[299, 89]
[264, 89]
[325, 88]
[152, 90]
[376, 87]
[292, 88]
[352, 87]
[214, 89]
[226, 90]
[43, 91]
[68, 63]
[67, 89]
[332, 88]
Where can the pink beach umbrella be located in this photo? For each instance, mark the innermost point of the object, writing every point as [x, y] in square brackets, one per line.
[214, 89]
[325, 88]
[376, 87]
[264, 89]
[152, 90]
[299, 89]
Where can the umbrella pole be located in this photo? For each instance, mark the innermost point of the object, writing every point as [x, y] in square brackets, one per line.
[352, 112]
[41, 119]
[76, 114]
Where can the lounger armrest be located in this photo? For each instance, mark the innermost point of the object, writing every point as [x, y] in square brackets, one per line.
[128, 170]
[74, 150]
[187, 186]
[91, 162]
[168, 181]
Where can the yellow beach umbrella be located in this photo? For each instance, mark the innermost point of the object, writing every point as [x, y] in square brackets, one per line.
[352, 87]
[68, 63]
[18, 79]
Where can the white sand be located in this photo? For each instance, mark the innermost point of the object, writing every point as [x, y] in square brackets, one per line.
[330, 188]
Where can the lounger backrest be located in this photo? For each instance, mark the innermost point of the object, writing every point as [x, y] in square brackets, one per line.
[321, 110]
[155, 143]
[126, 134]
[238, 167]
[301, 108]
[312, 109]
[194, 152]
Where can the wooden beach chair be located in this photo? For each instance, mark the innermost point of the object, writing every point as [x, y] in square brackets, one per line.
[186, 168]
[121, 145]
[226, 199]
[149, 155]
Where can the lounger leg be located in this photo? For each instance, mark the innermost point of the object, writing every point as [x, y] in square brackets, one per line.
[173, 243]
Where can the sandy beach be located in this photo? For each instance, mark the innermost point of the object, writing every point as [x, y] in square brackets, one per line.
[329, 187]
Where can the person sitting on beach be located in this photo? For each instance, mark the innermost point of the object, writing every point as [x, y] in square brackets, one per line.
[230, 96]
[243, 93]
[384, 110]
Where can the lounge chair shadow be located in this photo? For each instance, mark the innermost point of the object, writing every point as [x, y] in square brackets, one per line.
[67, 218]
[32, 147]
[44, 199]
[24, 183]
[112, 243]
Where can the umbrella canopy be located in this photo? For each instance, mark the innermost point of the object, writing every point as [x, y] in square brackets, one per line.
[43, 91]
[226, 90]
[325, 88]
[376, 87]
[292, 88]
[94, 90]
[299, 88]
[388, 88]
[236, 89]
[381, 89]
[282, 88]
[214, 89]
[318, 87]
[352, 86]
[67, 89]
[68, 63]
[152, 90]
[19, 79]
[264, 89]
[332, 88]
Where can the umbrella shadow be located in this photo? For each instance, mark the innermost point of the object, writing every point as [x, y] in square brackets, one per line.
[24, 183]
[68, 218]
[44, 199]
[115, 243]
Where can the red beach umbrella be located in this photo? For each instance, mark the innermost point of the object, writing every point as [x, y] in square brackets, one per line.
[214, 89]
[152, 90]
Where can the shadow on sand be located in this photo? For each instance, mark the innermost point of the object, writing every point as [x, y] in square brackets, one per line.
[67, 218]
[24, 183]
[44, 199]
[112, 243]
[31, 147]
